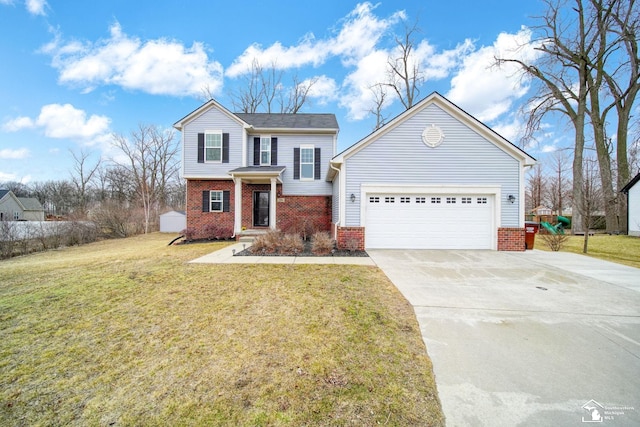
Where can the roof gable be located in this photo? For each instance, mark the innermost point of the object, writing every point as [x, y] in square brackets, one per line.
[630, 184]
[30, 204]
[452, 109]
[212, 103]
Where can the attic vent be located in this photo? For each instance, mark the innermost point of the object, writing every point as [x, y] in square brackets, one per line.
[432, 136]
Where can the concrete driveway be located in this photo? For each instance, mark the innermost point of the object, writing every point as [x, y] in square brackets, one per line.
[527, 338]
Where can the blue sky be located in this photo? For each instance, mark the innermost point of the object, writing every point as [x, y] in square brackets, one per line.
[75, 72]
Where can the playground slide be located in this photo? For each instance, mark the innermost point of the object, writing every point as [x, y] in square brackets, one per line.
[559, 227]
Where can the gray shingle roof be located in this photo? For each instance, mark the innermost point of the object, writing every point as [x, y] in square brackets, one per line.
[290, 121]
[30, 203]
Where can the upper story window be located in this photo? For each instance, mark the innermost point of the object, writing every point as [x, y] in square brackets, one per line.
[307, 162]
[213, 147]
[265, 150]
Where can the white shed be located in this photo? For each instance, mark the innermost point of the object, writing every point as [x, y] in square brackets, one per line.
[633, 205]
[173, 222]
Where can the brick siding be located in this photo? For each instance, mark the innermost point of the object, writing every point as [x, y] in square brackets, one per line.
[350, 238]
[511, 239]
[290, 210]
[196, 219]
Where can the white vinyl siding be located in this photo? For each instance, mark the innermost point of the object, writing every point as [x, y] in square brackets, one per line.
[465, 157]
[212, 119]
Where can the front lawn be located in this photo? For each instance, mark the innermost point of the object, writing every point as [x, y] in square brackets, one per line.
[620, 249]
[125, 332]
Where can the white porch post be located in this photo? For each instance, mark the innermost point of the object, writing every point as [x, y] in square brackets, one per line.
[272, 205]
[237, 206]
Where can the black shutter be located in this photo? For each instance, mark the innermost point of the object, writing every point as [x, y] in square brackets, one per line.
[225, 148]
[225, 201]
[296, 163]
[274, 151]
[256, 151]
[206, 205]
[316, 165]
[201, 148]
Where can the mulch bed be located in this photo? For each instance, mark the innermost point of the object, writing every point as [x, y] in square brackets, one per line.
[306, 252]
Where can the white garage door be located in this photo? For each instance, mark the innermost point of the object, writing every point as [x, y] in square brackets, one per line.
[424, 221]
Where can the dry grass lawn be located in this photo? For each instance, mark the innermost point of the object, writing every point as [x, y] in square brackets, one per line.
[620, 249]
[126, 333]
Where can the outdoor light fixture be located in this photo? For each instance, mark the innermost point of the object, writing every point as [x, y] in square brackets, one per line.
[511, 198]
[353, 197]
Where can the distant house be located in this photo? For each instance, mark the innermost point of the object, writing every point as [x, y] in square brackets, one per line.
[632, 190]
[14, 208]
[541, 210]
[173, 222]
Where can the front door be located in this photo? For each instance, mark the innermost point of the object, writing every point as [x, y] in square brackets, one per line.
[261, 209]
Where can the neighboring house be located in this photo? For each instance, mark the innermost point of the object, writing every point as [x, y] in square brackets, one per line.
[541, 210]
[632, 190]
[173, 222]
[256, 171]
[14, 208]
[434, 177]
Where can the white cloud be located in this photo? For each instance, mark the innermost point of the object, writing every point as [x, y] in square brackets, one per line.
[7, 153]
[357, 37]
[159, 67]
[65, 122]
[487, 91]
[324, 89]
[36, 7]
[17, 124]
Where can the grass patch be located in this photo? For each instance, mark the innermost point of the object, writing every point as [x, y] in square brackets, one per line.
[125, 332]
[621, 249]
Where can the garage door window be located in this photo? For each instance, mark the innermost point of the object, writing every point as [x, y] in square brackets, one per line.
[421, 199]
[405, 199]
[389, 199]
[482, 200]
[466, 200]
[451, 200]
[374, 199]
[435, 200]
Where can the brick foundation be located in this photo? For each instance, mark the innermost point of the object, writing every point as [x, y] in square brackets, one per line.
[350, 238]
[511, 239]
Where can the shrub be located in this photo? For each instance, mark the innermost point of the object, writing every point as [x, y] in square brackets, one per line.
[267, 243]
[291, 244]
[555, 242]
[321, 243]
[213, 231]
[302, 226]
[189, 233]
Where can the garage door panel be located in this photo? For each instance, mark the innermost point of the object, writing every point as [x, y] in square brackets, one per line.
[427, 224]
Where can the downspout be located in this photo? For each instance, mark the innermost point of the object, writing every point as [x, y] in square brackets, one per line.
[339, 198]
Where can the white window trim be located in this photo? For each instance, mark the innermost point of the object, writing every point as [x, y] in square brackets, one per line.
[313, 162]
[267, 151]
[211, 200]
[213, 132]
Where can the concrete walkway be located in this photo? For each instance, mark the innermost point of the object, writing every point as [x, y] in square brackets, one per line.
[225, 256]
[525, 338]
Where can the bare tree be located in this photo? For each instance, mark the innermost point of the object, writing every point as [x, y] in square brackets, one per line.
[557, 191]
[404, 74]
[297, 95]
[536, 187]
[81, 177]
[592, 200]
[562, 73]
[151, 163]
[379, 103]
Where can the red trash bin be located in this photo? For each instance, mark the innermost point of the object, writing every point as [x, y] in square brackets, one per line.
[530, 230]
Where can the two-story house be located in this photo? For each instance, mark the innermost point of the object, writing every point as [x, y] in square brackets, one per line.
[256, 171]
[433, 177]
